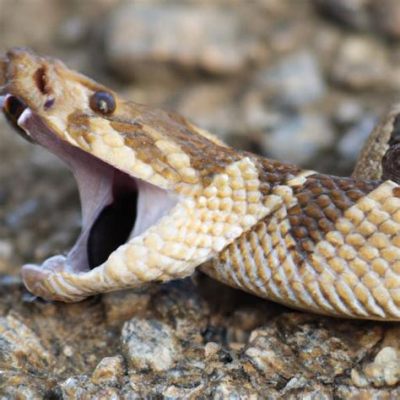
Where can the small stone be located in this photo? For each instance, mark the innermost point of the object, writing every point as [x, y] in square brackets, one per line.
[149, 345]
[209, 106]
[386, 16]
[180, 304]
[6, 249]
[80, 387]
[347, 113]
[20, 392]
[174, 392]
[352, 13]
[20, 348]
[145, 40]
[211, 348]
[383, 371]
[295, 346]
[294, 82]
[72, 31]
[123, 305]
[271, 357]
[109, 371]
[68, 351]
[369, 393]
[226, 389]
[361, 64]
[298, 139]
[351, 142]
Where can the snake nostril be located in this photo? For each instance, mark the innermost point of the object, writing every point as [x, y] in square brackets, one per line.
[40, 79]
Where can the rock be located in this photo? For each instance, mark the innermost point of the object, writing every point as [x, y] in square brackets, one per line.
[21, 14]
[149, 345]
[367, 15]
[211, 349]
[386, 16]
[383, 371]
[181, 306]
[361, 64]
[353, 392]
[298, 139]
[123, 305]
[80, 387]
[347, 113]
[350, 144]
[275, 360]
[304, 349]
[110, 370]
[228, 389]
[73, 31]
[352, 13]
[210, 106]
[20, 348]
[21, 392]
[148, 41]
[294, 82]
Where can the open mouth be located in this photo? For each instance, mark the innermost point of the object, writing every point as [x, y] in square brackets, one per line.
[115, 205]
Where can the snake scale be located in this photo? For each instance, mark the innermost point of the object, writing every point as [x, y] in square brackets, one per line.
[161, 197]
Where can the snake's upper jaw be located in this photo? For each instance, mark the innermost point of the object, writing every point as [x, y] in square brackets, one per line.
[115, 206]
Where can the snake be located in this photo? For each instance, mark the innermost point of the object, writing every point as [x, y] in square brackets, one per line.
[161, 198]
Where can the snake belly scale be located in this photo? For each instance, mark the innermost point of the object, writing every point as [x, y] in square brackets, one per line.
[161, 197]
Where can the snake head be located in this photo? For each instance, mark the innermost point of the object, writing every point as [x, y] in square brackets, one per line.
[147, 179]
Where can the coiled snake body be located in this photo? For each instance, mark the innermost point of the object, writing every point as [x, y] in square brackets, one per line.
[161, 197]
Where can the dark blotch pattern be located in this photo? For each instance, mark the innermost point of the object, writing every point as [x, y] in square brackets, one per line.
[322, 200]
[41, 80]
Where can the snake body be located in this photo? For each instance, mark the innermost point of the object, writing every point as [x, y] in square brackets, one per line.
[315, 242]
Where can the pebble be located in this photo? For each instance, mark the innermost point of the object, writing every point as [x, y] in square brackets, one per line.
[20, 348]
[149, 41]
[73, 31]
[350, 144]
[303, 349]
[123, 305]
[299, 138]
[109, 371]
[347, 113]
[381, 16]
[295, 81]
[149, 344]
[352, 13]
[209, 106]
[386, 17]
[6, 249]
[80, 387]
[361, 63]
[211, 348]
[384, 370]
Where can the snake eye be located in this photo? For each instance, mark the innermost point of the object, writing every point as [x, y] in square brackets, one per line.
[102, 102]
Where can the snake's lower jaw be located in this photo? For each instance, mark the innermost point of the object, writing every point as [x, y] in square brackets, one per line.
[38, 280]
[35, 276]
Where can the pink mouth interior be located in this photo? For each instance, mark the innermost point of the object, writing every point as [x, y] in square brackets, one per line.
[115, 206]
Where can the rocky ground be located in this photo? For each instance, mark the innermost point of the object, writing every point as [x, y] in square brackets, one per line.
[302, 81]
